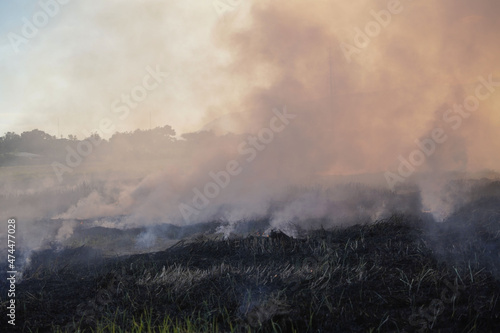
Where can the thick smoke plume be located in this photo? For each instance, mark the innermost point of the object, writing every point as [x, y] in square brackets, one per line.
[353, 115]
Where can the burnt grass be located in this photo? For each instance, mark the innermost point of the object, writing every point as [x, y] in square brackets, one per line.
[402, 274]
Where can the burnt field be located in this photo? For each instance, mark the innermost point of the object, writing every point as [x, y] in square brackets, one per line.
[401, 274]
[249, 166]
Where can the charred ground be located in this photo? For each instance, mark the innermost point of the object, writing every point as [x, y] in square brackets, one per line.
[405, 273]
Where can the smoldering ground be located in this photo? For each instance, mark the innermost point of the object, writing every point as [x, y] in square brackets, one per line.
[352, 118]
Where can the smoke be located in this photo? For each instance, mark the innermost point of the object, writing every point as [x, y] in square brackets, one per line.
[66, 230]
[395, 92]
[352, 113]
[146, 239]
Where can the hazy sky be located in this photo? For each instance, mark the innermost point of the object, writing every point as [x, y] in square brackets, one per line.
[91, 52]
[261, 55]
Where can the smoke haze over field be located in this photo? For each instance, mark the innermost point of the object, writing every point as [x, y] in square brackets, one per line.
[350, 112]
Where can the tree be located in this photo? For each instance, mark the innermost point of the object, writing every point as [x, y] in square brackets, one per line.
[10, 142]
[35, 141]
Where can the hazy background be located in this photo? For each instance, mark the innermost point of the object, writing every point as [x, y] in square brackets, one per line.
[260, 55]
[227, 73]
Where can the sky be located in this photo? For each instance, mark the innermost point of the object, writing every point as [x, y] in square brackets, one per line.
[91, 52]
[10, 12]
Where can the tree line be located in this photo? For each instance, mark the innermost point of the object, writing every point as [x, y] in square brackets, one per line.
[39, 147]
